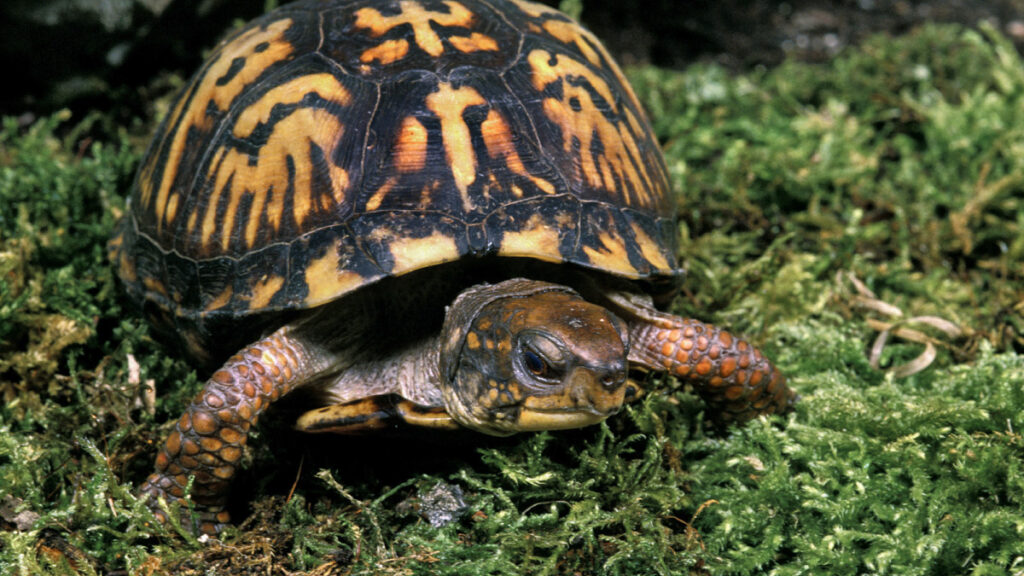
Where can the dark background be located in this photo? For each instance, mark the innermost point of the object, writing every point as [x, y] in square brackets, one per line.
[115, 55]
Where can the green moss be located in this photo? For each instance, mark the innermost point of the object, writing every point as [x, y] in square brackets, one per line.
[898, 164]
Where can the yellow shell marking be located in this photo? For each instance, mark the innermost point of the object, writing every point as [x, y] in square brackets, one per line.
[222, 299]
[613, 256]
[473, 43]
[571, 33]
[326, 280]
[410, 150]
[650, 249]
[535, 10]
[621, 153]
[266, 177]
[420, 19]
[264, 290]
[448, 104]
[501, 144]
[387, 52]
[374, 202]
[412, 253]
[192, 111]
[537, 239]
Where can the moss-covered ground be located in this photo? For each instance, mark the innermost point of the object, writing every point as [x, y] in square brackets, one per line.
[821, 206]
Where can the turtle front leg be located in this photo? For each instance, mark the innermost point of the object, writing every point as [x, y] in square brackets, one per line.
[208, 440]
[733, 378]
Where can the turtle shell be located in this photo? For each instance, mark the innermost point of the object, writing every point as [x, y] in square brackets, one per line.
[330, 144]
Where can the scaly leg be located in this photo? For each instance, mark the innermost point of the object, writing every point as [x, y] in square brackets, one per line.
[732, 376]
[208, 440]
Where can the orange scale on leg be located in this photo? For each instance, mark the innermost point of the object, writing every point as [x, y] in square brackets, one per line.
[190, 447]
[725, 339]
[704, 367]
[204, 423]
[230, 435]
[734, 392]
[231, 454]
[727, 367]
[210, 444]
[173, 444]
[208, 459]
[223, 377]
[211, 400]
[756, 378]
[244, 412]
[162, 461]
[224, 472]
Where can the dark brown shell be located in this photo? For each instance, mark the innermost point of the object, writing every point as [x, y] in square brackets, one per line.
[333, 143]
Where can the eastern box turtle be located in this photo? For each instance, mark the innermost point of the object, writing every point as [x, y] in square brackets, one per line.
[449, 213]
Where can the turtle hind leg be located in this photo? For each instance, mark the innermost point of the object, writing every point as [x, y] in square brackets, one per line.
[733, 378]
[374, 413]
[208, 440]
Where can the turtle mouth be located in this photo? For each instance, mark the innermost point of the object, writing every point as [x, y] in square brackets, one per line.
[535, 419]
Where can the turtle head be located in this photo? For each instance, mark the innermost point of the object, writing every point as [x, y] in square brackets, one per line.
[524, 355]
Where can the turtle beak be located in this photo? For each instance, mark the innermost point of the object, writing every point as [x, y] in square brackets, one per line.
[588, 397]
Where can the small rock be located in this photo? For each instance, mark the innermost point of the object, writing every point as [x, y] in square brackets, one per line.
[22, 521]
[441, 505]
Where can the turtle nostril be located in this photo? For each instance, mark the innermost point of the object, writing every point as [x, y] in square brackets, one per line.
[613, 380]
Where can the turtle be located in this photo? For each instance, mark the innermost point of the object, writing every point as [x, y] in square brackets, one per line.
[451, 214]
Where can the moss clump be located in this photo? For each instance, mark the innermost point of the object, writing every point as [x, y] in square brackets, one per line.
[897, 164]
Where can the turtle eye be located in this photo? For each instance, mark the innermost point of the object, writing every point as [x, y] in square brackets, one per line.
[534, 363]
[541, 357]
